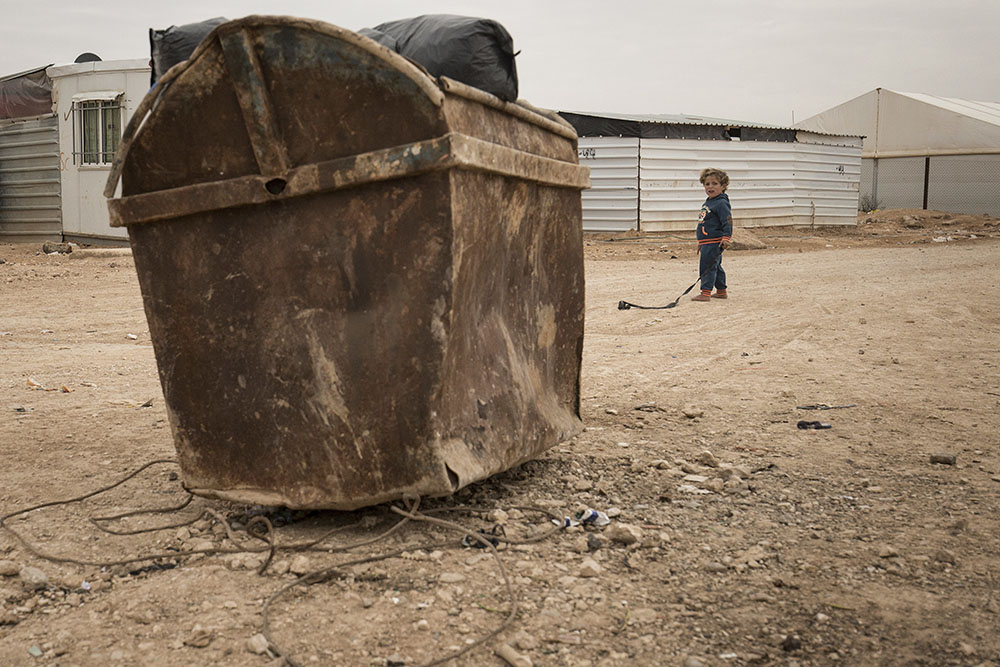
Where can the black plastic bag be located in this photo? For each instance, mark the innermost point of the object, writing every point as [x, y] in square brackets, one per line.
[475, 51]
[175, 44]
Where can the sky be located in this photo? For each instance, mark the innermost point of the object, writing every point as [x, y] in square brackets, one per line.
[763, 61]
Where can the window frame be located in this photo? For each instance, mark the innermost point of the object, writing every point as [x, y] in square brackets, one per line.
[104, 114]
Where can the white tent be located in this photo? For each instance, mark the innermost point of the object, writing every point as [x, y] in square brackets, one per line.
[922, 151]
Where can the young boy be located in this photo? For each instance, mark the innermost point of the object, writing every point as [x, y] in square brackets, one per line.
[715, 228]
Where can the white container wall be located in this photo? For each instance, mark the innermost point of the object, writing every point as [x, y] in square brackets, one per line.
[611, 204]
[761, 181]
[771, 183]
[827, 180]
[85, 211]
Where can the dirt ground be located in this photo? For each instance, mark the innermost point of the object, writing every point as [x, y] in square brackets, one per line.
[735, 538]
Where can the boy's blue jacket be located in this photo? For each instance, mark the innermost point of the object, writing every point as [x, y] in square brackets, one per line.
[715, 222]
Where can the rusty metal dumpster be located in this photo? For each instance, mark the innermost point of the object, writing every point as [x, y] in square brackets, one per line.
[360, 282]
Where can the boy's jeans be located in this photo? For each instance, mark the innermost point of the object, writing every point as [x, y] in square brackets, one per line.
[710, 268]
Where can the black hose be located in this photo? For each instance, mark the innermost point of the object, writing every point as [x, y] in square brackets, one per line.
[625, 305]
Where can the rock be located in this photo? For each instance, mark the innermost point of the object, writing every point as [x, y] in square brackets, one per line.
[695, 479]
[692, 412]
[593, 542]
[716, 485]
[300, 565]
[943, 459]
[525, 641]
[507, 653]
[590, 568]
[199, 638]
[258, 644]
[201, 545]
[280, 567]
[498, 516]
[791, 643]
[50, 247]
[422, 625]
[644, 615]
[726, 472]
[944, 556]
[715, 567]
[707, 459]
[33, 578]
[753, 557]
[743, 239]
[9, 568]
[691, 661]
[623, 533]
[886, 551]
[451, 578]
[734, 484]
[583, 485]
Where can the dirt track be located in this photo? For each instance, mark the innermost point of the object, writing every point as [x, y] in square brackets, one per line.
[839, 546]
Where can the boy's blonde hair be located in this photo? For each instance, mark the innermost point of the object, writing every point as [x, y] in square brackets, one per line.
[722, 176]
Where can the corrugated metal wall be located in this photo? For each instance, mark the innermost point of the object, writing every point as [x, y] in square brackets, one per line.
[761, 181]
[612, 202]
[30, 208]
[827, 184]
[772, 183]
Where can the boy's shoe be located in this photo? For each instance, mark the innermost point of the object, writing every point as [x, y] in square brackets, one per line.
[701, 297]
[720, 294]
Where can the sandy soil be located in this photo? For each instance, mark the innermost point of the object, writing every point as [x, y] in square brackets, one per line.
[735, 537]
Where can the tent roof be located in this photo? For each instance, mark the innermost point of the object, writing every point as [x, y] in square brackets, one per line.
[897, 124]
[988, 112]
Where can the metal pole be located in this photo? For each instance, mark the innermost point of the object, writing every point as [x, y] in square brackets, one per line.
[927, 178]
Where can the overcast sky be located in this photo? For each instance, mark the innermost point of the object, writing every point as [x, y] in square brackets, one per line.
[748, 60]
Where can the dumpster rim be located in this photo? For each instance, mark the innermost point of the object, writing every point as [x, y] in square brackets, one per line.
[415, 73]
[450, 151]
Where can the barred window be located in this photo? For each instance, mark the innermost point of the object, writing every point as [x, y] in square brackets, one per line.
[97, 129]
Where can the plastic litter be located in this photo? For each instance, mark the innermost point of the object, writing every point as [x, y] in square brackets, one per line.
[813, 425]
[825, 406]
[593, 518]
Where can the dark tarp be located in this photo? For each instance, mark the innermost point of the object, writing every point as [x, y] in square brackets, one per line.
[25, 95]
[175, 44]
[478, 52]
[603, 126]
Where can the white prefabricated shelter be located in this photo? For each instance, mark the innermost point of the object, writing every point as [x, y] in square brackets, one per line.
[644, 171]
[922, 151]
[59, 129]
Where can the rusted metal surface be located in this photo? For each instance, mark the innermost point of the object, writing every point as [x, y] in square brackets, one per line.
[352, 294]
